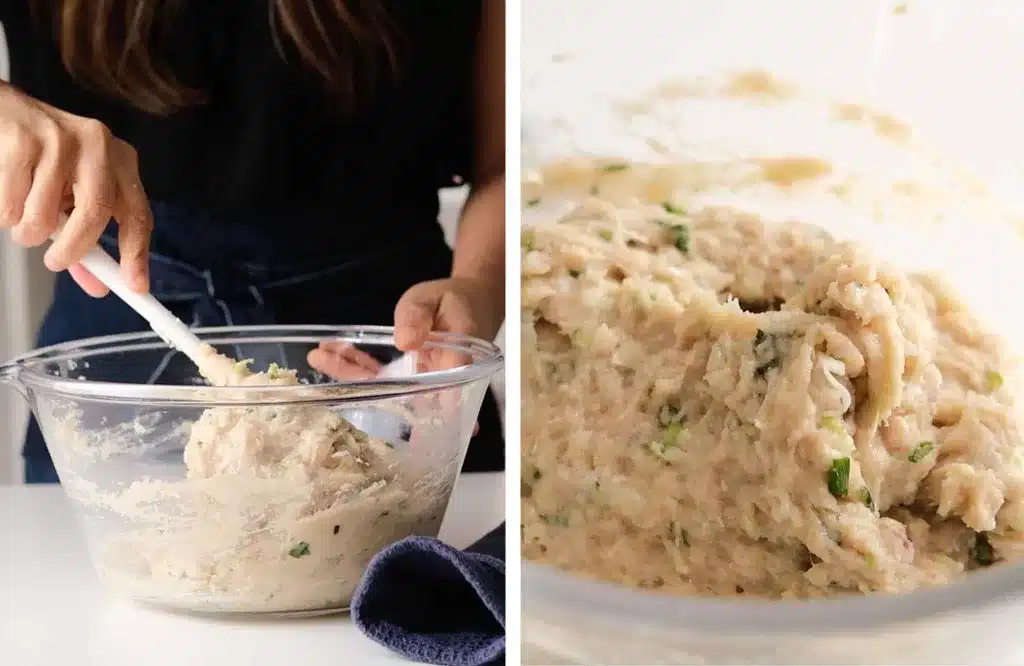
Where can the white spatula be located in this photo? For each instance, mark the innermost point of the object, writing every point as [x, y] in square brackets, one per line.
[172, 330]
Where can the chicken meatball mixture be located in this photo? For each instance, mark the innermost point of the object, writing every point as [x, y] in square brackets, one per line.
[717, 405]
[281, 510]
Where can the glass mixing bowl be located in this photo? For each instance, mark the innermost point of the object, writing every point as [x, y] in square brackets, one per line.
[887, 122]
[266, 521]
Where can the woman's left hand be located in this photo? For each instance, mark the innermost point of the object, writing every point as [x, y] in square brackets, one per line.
[460, 305]
[453, 305]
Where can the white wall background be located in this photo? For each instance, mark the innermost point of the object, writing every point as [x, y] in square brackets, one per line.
[946, 66]
[25, 291]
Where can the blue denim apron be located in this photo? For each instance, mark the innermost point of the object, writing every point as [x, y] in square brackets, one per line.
[208, 274]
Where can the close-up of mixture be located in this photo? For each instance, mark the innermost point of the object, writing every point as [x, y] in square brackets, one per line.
[281, 509]
[715, 404]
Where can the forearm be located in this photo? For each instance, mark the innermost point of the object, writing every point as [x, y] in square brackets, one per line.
[480, 242]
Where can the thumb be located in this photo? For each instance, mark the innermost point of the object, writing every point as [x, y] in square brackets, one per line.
[415, 314]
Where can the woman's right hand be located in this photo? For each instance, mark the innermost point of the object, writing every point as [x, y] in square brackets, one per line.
[53, 162]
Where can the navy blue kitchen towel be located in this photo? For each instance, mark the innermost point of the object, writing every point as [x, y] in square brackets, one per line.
[436, 604]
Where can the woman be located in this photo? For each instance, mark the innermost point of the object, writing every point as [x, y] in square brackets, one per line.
[291, 150]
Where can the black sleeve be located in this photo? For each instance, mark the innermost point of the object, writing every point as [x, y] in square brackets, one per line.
[15, 17]
[457, 137]
[8, 8]
[30, 51]
[18, 28]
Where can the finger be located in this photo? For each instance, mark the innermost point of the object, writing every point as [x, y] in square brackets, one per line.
[423, 361]
[42, 208]
[19, 153]
[415, 315]
[334, 346]
[337, 367]
[456, 315]
[87, 281]
[442, 358]
[349, 353]
[95, 188]
[134, 219]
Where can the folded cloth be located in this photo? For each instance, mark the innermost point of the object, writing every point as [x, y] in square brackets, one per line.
[436, 604]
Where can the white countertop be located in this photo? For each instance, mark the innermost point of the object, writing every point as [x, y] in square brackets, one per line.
[58, 613]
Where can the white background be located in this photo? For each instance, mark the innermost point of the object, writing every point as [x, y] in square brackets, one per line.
[950, 67]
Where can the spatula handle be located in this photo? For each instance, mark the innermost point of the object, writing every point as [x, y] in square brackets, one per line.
[173, 331]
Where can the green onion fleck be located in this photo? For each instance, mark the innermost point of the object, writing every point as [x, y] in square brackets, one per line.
[673, 209]
[574, 273]
[667, 414]
[774, 360]
[533, 202]
[864, 495]
[681, 237]
[994, 380]
[839, 477]
[832, 424]
[614, 167]
[672, 433]
[679, 535]
[528, 240]
[557, 520]
[274, 371]
[981, 551]
[605, 234]
[670, 437]
[301, 549]
[921, 451]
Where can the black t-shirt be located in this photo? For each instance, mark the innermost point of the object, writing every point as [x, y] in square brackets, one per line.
[272, 147]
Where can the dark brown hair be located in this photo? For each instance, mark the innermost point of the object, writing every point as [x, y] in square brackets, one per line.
[107, 45]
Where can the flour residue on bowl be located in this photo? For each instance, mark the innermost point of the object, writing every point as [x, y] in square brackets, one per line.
[883, 124]
[757, 133]
[753, 86]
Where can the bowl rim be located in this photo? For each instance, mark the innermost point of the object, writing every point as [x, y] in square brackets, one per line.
[488, 359]
[548, 587]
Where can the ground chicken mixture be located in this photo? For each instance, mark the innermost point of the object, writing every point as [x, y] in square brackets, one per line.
[281, 509]
[716, 405]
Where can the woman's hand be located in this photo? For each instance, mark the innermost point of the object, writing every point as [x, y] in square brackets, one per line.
[52, 162]
[455, 305]
[343, 362]
[467, 306]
